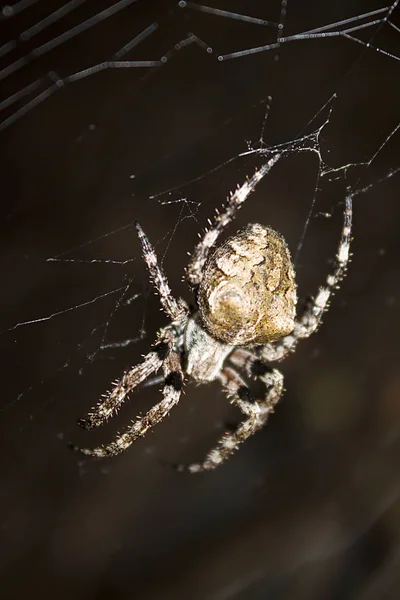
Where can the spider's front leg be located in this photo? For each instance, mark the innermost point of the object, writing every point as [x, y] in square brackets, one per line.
[113, 400]
[256, 411]
[173, 383]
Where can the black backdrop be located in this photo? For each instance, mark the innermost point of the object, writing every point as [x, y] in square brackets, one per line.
[309, 508]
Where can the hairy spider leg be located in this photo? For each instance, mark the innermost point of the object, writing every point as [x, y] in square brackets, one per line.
[175, 309]
[257, 412]
[165, 353]
[171, 393]
[114, 399]
[234, 202]
[311, 317]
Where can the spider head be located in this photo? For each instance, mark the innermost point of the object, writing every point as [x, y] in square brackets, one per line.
[247, 295]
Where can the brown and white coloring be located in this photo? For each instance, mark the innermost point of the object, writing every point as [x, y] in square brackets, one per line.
[244, 319]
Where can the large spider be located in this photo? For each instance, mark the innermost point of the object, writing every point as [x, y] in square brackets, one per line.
[244, 318]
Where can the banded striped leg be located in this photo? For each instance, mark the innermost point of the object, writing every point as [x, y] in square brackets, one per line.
[256, 411]
[249, 362]
[311, 318]
[234, 202]
[171, 392]
[176, 309]
[114, 399]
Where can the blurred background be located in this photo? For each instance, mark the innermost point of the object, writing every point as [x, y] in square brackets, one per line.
[309, 507]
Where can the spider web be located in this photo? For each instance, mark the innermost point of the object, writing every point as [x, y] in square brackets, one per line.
[117, 111]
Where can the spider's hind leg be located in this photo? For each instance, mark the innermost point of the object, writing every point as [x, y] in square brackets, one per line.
[256, 411]
[233, 204]
[175, 309]
[311, 318]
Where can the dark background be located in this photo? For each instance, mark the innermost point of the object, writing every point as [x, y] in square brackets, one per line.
[308, 508]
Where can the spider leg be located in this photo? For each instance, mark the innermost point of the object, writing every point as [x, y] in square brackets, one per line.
[256, 411]
[222, 219]
[311, 318]
[175, 309]
[113, 400]
[172, 391]
[249, 361]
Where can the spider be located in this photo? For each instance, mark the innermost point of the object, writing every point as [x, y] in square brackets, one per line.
[244, 319]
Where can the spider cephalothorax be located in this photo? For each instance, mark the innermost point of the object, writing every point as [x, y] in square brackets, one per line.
[244, 319]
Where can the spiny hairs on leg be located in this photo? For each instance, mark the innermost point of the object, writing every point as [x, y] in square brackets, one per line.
[114, 399]
[174, 308]
[172, 391]
[257, 412]
[311, 318]
[233, 204]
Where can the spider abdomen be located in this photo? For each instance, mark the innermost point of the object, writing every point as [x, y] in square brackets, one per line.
[247, 295]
